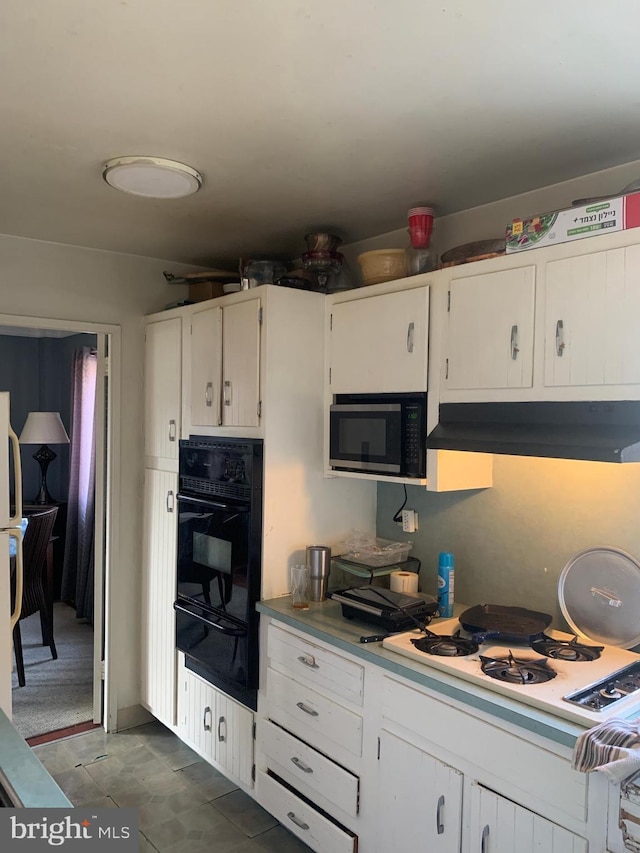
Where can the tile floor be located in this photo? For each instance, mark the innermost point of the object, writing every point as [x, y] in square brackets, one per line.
[184, 804]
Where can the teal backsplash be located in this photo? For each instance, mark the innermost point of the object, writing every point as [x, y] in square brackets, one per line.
[511, 542]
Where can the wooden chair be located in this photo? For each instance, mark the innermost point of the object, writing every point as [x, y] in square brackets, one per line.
[34, 599]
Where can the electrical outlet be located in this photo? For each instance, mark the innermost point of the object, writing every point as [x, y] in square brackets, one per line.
[409, 520]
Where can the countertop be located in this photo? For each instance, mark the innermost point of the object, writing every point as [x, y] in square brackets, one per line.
[22, 774]
[324, 621]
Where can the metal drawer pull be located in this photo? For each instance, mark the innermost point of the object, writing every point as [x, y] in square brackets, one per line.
[227, 392]
[309, 660]
[560, 344]
[172, 430]
[208, 395]
[307, 709]
[170, 502]
[221, 723]
[410, 329]
[300, 765]
[206, 726]
[297, 821]
[515, 349]
[439, 808]
[484, 844]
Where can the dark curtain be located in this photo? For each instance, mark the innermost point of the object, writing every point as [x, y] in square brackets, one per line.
[78, 567]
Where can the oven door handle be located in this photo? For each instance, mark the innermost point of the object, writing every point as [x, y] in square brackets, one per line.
[205, 502]
[232, 631]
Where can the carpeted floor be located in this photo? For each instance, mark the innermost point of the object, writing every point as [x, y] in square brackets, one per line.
[58, 693]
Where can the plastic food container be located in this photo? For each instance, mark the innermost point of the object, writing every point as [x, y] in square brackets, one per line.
[382, 265]
[381, 552]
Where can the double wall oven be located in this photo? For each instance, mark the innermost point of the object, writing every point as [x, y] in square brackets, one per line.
[219, 561]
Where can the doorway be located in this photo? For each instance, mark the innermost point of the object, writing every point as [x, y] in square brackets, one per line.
[37, 357]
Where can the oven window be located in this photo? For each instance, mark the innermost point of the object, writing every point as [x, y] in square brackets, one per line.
[213, 556]
[366, 437]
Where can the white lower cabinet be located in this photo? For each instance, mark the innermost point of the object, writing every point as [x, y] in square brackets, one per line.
[310, 740]
[400, 767]
[217, 727]
[498, 825]
[405, 773]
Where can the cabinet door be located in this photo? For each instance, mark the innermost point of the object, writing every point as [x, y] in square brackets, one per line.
[163, 387]
[490, 337]
[158, 595]
[197, 713]
[241, 363]
[499, 826]
[379, 344]
[434, 817]
[234, 738]
[592, 319]
[206, 367]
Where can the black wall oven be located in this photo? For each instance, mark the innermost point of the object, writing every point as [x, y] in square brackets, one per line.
[219, 561]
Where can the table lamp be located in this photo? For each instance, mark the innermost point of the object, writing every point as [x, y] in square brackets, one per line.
[44, 428]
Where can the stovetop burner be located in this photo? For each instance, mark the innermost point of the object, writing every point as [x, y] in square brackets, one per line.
[566, 650]
[517, 671]
[451, 646]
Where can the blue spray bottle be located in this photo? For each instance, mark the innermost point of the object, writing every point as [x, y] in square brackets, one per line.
[445, 584]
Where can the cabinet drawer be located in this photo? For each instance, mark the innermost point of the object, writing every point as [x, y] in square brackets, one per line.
[308, 770]
[315, 718]
[548, 778]
[317, 666]
[302, 819]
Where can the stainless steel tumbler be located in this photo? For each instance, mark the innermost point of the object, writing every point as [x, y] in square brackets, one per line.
[319, 562]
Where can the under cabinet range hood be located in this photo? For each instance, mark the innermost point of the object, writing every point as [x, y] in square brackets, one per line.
[596, 431]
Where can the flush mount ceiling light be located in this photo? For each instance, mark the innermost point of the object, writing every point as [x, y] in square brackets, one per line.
[151, 177]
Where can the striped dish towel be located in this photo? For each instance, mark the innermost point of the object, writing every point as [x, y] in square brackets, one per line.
[613, 747]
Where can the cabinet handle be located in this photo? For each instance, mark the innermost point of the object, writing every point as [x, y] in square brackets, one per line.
[300, 765]
[297, 821]
[439, 808]
[410, 329]
[170, 502]
[484, 843]
[221, 723]
[307, 709]
[560, 344]
[227, 392]
[206, 726]
[172, 430]
[208, 395]
[515, 349]
[309, 660]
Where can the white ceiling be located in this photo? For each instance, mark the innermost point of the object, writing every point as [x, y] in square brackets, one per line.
[302, 114]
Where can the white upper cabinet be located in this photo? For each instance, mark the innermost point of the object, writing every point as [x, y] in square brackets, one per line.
[241, 364]
[592, 319]
[225, 365]
[490, 331]
[163, 388]
[206, 366]
[379, 343]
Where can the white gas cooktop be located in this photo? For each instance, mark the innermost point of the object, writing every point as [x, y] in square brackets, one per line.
[549, 696]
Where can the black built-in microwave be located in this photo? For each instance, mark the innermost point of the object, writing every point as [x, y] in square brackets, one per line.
[379, 434]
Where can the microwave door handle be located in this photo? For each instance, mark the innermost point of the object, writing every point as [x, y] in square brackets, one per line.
[230, 632]
[205, 502]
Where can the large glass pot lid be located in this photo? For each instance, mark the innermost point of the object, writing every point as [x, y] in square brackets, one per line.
[599, 593]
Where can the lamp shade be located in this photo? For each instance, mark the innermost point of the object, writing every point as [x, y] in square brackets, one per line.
[44, 428]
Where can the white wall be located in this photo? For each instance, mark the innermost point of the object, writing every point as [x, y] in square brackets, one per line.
[48, 280]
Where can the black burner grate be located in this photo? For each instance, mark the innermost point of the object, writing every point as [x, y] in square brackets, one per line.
[445, 646]
[518, 671]
[566, 650]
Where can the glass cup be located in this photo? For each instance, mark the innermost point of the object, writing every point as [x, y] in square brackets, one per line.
[300, 587]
